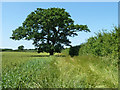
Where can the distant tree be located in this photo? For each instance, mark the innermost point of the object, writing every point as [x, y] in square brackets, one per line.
[21, 48]
[6, 49]
[49, 29]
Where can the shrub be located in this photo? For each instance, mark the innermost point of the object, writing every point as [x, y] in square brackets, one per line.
[74, 51]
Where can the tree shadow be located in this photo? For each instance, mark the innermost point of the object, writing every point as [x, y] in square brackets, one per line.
[47, 55]
[74, 51]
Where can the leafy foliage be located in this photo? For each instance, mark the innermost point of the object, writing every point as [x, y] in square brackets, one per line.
[21, 48]
[74, 51]
[103, 44]
[49, 29]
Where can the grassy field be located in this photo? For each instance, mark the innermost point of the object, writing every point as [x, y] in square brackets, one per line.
[23, 70]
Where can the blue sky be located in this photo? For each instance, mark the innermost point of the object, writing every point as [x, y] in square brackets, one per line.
[97, 15]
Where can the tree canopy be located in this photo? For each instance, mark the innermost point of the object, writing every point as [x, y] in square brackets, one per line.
[49, 29]
[21, 48]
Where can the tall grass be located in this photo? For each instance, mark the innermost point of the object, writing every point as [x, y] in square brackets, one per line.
[58, 72]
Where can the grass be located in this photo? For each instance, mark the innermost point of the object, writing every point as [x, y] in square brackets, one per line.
[20, 70]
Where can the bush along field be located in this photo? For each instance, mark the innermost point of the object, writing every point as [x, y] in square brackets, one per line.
[92, 65]
[103, 44]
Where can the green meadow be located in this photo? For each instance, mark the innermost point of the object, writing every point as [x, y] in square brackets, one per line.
[57, 60]
[29, 70]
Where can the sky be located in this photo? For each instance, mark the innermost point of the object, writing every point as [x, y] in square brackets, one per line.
[96, 15]
[60, 0]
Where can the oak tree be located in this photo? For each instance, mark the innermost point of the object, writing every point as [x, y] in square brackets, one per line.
[49, 29]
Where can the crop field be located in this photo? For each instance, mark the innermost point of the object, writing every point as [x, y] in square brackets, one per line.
[29, 70]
